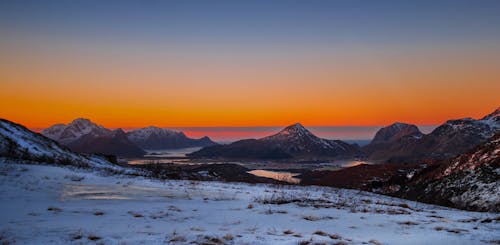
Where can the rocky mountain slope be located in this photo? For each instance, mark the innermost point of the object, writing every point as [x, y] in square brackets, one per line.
[294, 141]
[82, 135]
[154, 138]
[469, 181]
[19, 143]
[407, 144]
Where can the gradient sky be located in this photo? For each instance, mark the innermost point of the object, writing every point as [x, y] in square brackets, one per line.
[248, 63]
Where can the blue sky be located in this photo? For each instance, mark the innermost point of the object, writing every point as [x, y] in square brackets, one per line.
[275, 21]
[248, 63]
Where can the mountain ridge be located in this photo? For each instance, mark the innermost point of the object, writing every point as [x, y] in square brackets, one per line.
[85, 136]
[294, 141]
[154, 138]
[449, 139]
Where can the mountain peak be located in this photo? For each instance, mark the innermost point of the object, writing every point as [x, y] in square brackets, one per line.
[153, 137]
[296, 125]
[144, 133]
[81, 120]
[293, 141]
[396, 131]
[74, 130]
[84, 124]
[296, 128]
[293, 132]
[399, 124]
[493, 115]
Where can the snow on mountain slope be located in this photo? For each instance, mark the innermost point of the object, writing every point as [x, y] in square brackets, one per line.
[448, 140]
[145, 133]
[53, 205]
[293, 141]
[18, 142]
[160, 138]
[493, 119]
[84, 136]
[73, 131]
[299, 137]
[470, 181]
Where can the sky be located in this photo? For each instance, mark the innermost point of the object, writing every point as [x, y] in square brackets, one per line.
[248, 63]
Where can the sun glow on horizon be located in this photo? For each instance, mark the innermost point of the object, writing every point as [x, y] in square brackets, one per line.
[374, 66]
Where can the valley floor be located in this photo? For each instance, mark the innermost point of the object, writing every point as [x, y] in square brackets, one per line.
[55, 205]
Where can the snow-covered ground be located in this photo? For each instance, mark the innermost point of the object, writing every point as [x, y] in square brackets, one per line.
[56, 205]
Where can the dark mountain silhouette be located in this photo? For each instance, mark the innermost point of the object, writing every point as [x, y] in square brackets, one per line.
[294, 141]
[154, 138]
[407, 144]
[82, 135]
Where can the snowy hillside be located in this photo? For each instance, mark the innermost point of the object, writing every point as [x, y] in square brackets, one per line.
[54, 205]
[470, 181]
[18, 142]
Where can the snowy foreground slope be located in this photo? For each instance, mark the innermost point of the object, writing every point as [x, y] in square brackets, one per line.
[42, 204]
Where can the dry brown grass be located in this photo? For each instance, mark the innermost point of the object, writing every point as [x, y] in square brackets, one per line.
[320, 233]
[135, 214]
[311, 218]
[93, 237]
[228, 237]
[408, 223]
[54, 209]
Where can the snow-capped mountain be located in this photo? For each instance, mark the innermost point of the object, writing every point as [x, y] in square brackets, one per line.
[493, 119]
[449, 139]
[19, 143]
[82, 135]
[77, 128]
[296, 139]
[293, 141]
[160, 138]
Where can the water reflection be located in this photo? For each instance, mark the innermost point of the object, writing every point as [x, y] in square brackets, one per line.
[281, 176]
[110, 192]
[182, 152]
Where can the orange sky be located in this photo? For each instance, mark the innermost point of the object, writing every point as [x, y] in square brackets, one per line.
[248, 63]
[40, 87]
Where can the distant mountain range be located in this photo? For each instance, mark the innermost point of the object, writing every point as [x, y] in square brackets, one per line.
[154, 138]
[468, 180]
[401, 142]
[19, 143]
[82, 135]
[294, 141]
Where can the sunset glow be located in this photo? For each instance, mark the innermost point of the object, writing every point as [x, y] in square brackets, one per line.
[228, 68]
